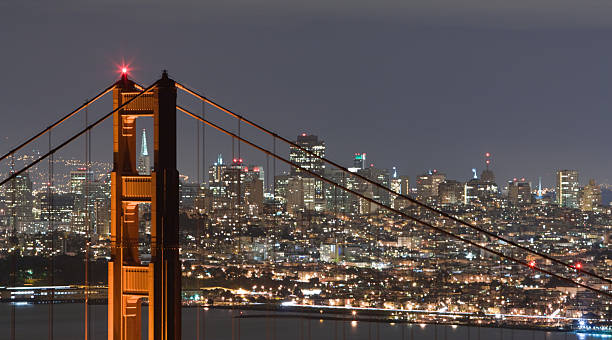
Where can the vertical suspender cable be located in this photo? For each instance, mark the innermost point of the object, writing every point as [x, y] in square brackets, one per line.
[274, 171]
[238, 211]
[13, 274]
[200, 257]
[88, 221]
[51, 228]
[197, 302]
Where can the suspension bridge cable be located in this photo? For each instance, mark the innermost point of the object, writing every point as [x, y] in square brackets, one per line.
[412, 200]
[51, 228]
[60, 121]
[77, 135]
[88, 221]
[13, 274]
[412, 218]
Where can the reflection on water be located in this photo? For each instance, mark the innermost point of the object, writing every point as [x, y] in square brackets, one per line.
[32, 323]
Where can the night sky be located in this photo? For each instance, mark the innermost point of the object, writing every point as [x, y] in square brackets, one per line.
[417, 85]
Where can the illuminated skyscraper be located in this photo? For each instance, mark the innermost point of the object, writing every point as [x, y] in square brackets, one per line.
[567, 188]
[401, 185]
[519, 191]
[359, 160]
[590, 196]
[450, 192]
[301, 158]
[427, 184]
[144, 160]
[313, 144]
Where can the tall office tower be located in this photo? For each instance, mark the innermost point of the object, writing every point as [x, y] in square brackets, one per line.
[280, 188]
[144, 160]
[294, 194]
[243, 186]
[359, 160]
[590, 196]
[519, 191]
[78, 179]
[427, 184]
[400, 185]
[301, 158]
[232, 179]
[567, 188]
[313, 144]
[215, 177]
[481, 190]
[254, 195]
[450, 192]
[380, 176]
[20, 200]
[338, 200]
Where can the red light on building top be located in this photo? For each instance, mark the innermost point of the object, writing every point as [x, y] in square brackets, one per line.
[303, 134]
[578, 265]
[487, 154]
[124, 70]
[239, 160]
[532, 264]
[256, 169]
[235, 160]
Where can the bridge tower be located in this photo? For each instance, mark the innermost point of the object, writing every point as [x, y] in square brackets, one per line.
[129, 280]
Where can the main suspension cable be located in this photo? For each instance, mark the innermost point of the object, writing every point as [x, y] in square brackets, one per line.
[77, 135]
[412, 218]
[60, 121]
[406, 197]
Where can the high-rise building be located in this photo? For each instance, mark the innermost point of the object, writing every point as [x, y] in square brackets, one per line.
[20, 201]
[590, 196]
[481, 190]
[519, 191]
[450, 192]
[400, 185]
[78, 179]
[215, 177]
[144, 160]
[280, 188]
[310, 143]
[427, 184]
[359, 160]
[567, 188]
[339, 200]
[380, 176]
[294, 194]
[241, 186]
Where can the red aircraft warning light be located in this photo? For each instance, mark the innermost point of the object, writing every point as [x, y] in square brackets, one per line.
[532, 264]
[578, 266]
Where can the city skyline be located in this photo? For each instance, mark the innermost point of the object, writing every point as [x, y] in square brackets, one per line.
[510, 90]
[366, 167]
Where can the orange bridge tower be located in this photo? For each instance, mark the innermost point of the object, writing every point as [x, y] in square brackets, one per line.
[129, 279]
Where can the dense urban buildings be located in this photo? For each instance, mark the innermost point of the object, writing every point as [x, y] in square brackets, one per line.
[567, 188]
[331, 247]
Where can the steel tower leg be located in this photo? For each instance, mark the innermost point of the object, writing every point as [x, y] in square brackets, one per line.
[129, 280]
